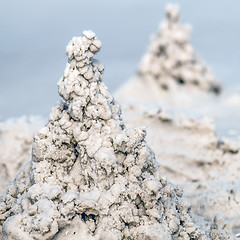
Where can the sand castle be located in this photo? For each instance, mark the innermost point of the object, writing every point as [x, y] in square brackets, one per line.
[171, 59]
[170, 72]
[188, 150]
[90, 177]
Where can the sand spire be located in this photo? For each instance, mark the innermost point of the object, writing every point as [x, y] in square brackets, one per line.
[171, 60]
[90, 177]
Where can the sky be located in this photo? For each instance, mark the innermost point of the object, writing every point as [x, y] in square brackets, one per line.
[34, 34]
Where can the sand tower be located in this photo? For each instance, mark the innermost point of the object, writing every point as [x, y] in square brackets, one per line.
[90, 177]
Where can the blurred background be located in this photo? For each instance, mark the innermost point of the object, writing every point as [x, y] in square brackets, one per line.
[34, 35]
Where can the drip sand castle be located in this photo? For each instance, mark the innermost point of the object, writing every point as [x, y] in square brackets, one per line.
[90, 177]
[170, 72]
[187, 149]
[171, 60]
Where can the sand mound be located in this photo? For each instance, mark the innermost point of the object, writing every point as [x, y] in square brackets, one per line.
[16, 137]
[190, 154]
[92, 177]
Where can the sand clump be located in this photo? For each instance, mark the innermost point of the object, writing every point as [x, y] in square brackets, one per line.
[91, 177]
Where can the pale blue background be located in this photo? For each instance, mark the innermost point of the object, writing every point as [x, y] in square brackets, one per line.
[33, 36]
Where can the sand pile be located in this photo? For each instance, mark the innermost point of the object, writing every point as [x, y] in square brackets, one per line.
[90, 177]
[16, 136]
[170, 72]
